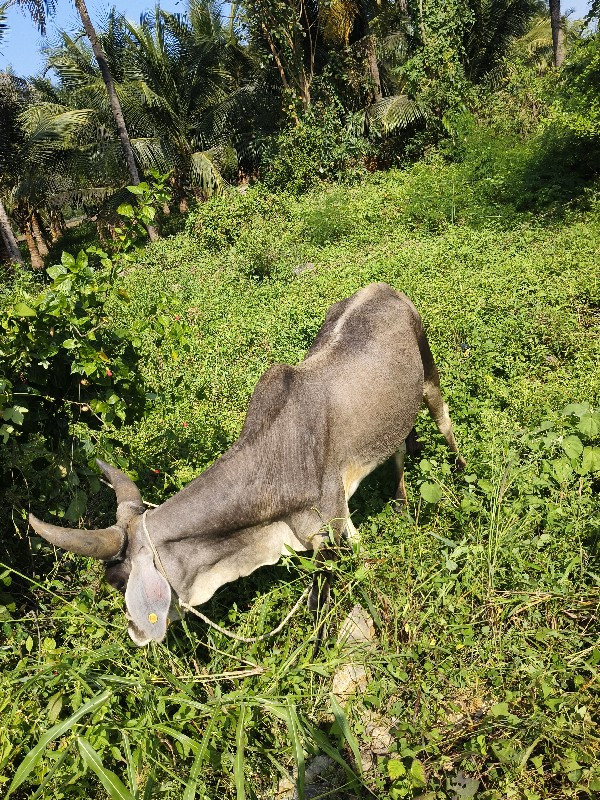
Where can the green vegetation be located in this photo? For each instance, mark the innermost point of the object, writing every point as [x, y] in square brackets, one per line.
[430, 146]
[485, 595]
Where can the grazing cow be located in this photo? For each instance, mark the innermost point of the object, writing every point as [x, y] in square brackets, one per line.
[312, 433]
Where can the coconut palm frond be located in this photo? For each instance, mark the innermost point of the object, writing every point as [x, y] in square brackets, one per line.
[205, 174]
[150, 154]
[394, 113]
[537, 37]
[3, 23]
[496, 25]
[337, 20]
[51, 127]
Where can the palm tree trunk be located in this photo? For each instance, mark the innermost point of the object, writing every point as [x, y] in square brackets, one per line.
[373, 69]
[57, 226]
[113, 98]
[8, 237]
[37, 262]
[38, 234]
[115, 104]
[558, 39]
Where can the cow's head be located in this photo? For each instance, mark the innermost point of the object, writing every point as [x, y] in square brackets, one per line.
[125, 548]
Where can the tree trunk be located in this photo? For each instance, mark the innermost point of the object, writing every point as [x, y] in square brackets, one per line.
[38, 234]
[113, 98]
[57, 226]
[558, 39]
[8, 237]
[373, 69]
[37, 262]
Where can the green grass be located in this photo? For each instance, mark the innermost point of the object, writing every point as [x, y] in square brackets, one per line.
[485, 603]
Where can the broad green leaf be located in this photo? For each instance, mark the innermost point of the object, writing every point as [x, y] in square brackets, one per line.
[147, 213]
[342, 721]
[591, 460]
[572, 446]
[417, 773]
[69, 344]
[67, 259]
[14, 414]
[430, 492]
[33, 756]
[125, 210]
[499, 710]
[112, 783]
[588, 425]
[23, 310]
[575, 410]
[55, 271]
[395, 768]
[139, 189]
[561, 469]
[54, 707]
[76, 508]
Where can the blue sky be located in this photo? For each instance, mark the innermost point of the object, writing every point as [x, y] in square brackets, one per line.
[21, 45]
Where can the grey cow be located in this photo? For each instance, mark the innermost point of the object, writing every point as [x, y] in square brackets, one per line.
[312, 433]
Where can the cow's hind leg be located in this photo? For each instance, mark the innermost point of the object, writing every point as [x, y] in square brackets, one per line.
[441, 416]
[432, 395]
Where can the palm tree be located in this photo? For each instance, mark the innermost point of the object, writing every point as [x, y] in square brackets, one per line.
[558, 41]
[12, 103]
[187, 87]
[186, 71]
[8, 237]
[111, 91]
[496, 25]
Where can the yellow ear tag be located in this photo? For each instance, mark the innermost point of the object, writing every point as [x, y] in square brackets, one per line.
[152, 618]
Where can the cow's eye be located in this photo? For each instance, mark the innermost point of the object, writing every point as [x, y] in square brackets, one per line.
[117, 576]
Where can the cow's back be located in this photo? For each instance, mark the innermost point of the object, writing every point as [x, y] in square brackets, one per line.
[366, 356]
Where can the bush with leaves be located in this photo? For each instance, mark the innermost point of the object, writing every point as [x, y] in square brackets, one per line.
[65, 364]
[577, 107]
[320, 145]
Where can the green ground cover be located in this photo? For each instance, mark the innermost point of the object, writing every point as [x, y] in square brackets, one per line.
[485, 595]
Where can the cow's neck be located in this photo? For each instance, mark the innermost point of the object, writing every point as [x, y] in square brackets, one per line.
[224, 525]
[233, 493]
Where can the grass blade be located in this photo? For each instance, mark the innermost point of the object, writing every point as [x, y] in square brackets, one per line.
[131, 776]
[185, 740]
[342, 721]
[293, 727]
[238, 762]
[190, 789]
[325, 745]
[34, 755]
[113, 784]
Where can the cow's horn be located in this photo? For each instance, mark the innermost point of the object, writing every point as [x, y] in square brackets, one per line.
[103, 543]
[125, 488]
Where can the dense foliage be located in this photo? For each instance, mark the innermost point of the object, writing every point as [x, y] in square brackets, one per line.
[429, 145]
[484, 596]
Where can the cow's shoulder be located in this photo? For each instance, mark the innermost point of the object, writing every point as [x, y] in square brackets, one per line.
[271, 395]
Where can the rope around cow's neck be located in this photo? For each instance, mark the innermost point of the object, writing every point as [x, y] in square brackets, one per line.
[186, 607]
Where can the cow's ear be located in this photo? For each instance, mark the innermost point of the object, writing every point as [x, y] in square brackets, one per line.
[148, 599]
